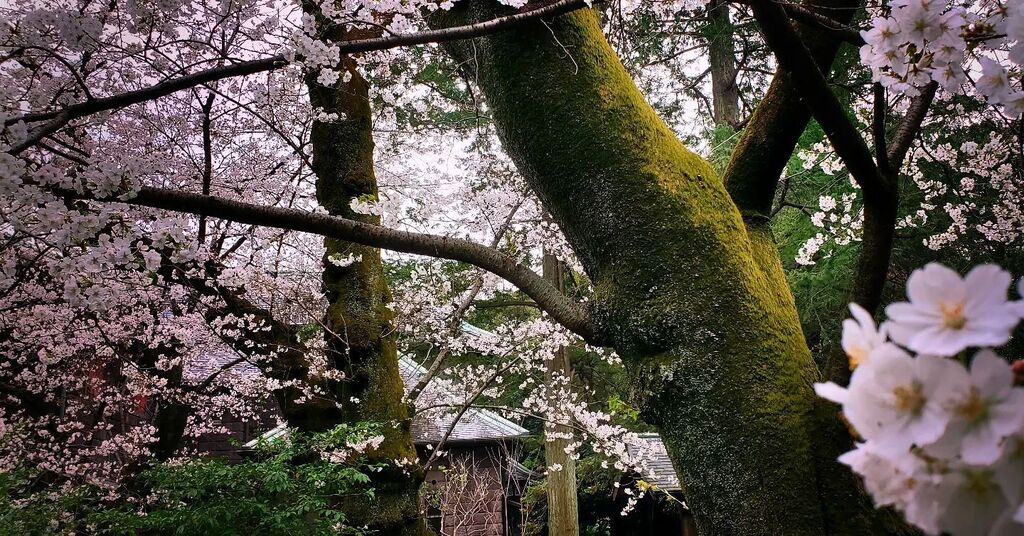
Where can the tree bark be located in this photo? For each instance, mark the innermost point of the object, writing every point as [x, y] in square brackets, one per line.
[359, 328]
[778, 122]
[688, 298]
[563, 509]
[725, 95]
[879, 233]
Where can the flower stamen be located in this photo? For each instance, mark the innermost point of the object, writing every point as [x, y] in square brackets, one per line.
[909, 398]
[973, 408]
[856, 356]
[952, 315]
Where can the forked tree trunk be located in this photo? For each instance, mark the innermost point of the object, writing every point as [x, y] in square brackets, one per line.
[695, 305]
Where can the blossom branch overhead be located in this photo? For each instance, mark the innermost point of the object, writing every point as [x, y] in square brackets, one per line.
[568, 313]
[794, 57]
[56, 119]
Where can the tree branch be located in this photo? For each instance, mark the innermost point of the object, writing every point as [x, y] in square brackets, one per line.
[496, 304]
[881, 196]
[207, 178]
[878, 127]
[455, 321]
[911, 125]
[842, 31]
[57, 119]
[568, 313]
[462, 411]
[775, 127]
[794, 57]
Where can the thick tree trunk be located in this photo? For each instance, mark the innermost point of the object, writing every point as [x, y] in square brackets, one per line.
[171, 420]
[685, 294]
[171, 416]
[563, 514]
[359, 326]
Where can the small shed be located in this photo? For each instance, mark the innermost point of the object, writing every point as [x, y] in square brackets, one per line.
[474, 489]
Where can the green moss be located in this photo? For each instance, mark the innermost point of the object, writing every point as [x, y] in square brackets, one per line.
[359, 328]
[688, 298]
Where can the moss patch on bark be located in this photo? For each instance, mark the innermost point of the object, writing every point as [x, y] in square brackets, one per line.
[359, 332]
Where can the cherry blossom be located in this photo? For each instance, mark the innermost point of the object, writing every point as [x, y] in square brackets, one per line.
[899, 401]
[860, 336]
[988, 411]
[922, 40]
[889, 480]
[942, 443]
[947, 314]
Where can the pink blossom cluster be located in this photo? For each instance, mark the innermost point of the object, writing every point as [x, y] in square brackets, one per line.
[937, 412]
[101, 318]
[919, 41]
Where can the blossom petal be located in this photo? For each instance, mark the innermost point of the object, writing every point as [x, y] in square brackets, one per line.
[986, 285]
[990, 373]
[933, 283]
[981, 446]
[861, 315]
[937, 340]
[1007, 417]
[832, 391]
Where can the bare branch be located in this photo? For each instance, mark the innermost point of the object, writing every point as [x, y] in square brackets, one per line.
[463, 409]
[207, 178]
[794, 57]
[813, 18]
[455, 321]
[878, 127]
[566, 312]
[911, 125]
[56, 120]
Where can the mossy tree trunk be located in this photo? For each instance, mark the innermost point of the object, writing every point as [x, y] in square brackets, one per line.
[359, 328]
[693, 303]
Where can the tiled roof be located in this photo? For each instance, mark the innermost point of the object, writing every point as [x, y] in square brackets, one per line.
[430, 425]
[199, 369]
[663, 473]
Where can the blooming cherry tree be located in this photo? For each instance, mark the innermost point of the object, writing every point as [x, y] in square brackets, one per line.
[164, 199]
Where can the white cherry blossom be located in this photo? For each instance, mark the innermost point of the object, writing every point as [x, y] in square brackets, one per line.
[994, 82]
[898, 401]
[946, 314]
[1009, 470]
[983, 415]
[975, 502]
[860, 335]
[889, 479]
[941, 444]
